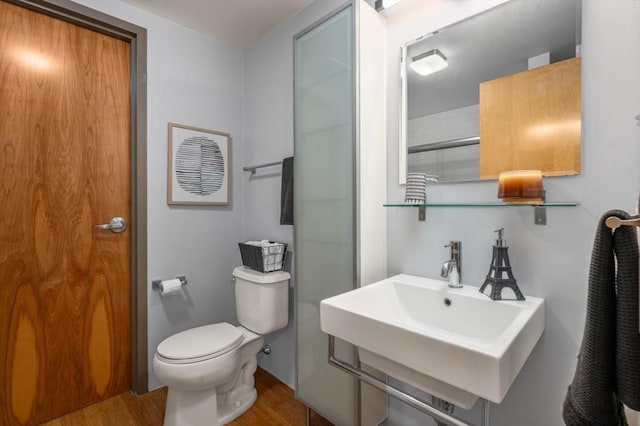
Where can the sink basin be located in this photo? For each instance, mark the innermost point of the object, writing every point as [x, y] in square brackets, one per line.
[455, 343]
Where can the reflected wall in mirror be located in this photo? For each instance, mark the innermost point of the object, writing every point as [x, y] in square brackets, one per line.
[441, 111]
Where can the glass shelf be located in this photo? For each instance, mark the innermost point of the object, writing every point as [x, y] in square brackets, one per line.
[540, 217]
[485, 204]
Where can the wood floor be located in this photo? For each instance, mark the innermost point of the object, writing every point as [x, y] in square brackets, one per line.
[276, 405]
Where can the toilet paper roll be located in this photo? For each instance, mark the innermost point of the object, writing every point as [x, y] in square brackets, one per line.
[170, 286]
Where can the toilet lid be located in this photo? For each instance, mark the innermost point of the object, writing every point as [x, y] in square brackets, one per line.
[200, 343]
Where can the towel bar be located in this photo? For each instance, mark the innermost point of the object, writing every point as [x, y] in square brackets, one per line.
[253, 169]
[614, 222]
[397, 393]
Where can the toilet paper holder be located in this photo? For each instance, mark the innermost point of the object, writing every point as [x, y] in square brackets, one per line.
[155, 284]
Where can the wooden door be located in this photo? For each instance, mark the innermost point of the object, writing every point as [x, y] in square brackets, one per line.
[64, 167]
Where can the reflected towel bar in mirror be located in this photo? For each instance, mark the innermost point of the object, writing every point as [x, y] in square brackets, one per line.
[434, 146]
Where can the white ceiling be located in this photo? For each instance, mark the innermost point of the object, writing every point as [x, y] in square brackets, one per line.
[238, 23]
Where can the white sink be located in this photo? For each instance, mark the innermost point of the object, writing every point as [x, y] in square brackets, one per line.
[454, 343]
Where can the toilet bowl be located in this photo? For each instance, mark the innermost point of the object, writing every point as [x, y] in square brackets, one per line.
[209, 369]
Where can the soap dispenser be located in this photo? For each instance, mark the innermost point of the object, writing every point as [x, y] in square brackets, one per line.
[499, 267]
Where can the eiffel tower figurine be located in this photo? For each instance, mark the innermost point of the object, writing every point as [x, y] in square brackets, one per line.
[499, 267]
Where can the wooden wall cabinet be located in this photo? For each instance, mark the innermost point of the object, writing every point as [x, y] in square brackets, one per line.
[532, 121]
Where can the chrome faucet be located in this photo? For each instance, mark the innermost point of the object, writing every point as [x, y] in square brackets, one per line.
[451, 268]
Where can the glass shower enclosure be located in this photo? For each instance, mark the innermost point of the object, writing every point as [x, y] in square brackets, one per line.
[324, 206]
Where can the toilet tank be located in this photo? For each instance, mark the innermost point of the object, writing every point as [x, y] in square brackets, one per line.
[262, 299]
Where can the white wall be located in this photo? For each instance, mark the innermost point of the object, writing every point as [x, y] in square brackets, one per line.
[549, 261]
[454, 164]
[269, 137]
[198, 81]
[453, 124]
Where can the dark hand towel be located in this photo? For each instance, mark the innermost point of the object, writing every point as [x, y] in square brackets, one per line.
[627, 328]
[286, 192]
[594, 395]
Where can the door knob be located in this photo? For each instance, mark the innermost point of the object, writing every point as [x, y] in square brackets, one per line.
[117, 224]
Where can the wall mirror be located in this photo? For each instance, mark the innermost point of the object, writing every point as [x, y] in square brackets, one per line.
[443, 116]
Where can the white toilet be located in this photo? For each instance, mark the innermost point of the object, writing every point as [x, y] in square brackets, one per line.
[209, 369]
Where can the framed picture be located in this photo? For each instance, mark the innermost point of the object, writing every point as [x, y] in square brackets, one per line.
[199, 166]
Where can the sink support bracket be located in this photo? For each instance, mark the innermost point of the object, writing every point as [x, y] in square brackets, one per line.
[416, 403]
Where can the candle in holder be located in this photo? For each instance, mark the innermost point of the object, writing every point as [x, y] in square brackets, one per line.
[521, 186]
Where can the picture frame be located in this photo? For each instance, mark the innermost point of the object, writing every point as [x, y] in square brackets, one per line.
[199, 166]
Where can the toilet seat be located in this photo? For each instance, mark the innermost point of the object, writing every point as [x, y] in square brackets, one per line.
[199, 344]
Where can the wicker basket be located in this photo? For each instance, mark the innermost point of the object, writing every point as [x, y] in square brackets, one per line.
[264, 259]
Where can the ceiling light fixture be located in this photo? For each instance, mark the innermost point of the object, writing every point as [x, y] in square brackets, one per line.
[429, 62]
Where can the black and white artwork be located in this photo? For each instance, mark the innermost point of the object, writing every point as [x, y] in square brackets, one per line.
[198, 166]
